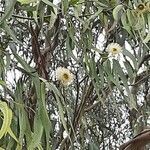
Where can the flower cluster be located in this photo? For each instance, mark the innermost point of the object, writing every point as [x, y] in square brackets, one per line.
[64, 76]
[114, 48]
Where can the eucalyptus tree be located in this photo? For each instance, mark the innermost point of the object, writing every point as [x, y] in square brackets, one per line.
[74, 74]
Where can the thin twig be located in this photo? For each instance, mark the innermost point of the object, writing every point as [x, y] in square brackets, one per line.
[23, 17]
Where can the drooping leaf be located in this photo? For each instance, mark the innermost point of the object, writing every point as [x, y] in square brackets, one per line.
[37, 134]
[9, 7]
[65, 5]
[116, 11]
[60, 107]
[7, 118]
[10, 32]
[50, 4]
[132, 58]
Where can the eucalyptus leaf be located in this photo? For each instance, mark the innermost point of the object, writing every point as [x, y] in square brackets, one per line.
[116, 11]
[9, 8]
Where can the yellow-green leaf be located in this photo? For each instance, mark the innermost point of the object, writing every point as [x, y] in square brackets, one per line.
[12, 134]
[7, 117]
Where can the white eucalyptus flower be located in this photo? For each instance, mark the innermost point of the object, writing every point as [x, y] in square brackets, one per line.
[64, 76]
[114, 48]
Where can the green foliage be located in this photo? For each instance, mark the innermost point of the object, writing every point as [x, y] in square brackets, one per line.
[6, 121]
[110, 92]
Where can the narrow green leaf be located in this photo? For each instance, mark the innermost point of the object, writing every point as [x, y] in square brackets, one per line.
[131, 18]
[125, 23]
[53, 18]
[44, 116]
[60, 107]
[116, 11]
[119, 70]
[69, 50]
[147, 38]
[7, 118]
[38, 131]
[73, 2]
[9, 7]
[93, 146]
[100, 9]
[21, 112]
[20, 60]
[12, 135]
[129, 69]
[2, 83]
[109, 73]
[101, 74]
[50, 4]
[140, 23]
[132, 58]
[65, 5]
[10, 32]
[39, 147]
[28, 133]
[59, 97]
[10, 144]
